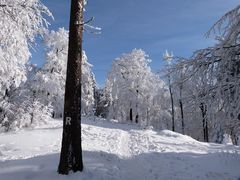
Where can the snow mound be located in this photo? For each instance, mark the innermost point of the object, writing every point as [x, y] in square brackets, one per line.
[181, 137]
[114, 151]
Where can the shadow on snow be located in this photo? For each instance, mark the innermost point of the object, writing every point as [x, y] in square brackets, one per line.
[148, 166]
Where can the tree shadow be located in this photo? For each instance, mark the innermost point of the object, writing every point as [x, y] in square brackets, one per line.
[148, 166]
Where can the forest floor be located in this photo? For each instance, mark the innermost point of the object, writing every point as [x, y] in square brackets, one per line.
[113, 151]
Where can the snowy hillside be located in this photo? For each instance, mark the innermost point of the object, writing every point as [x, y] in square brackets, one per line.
[116, 152]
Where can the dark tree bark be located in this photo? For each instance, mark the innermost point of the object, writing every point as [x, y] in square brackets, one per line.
[181, 109]
[173, 112]
[136, 118]
[182, 116]
[233, 136]
[203, 108]
[131, 115]
[71, 152]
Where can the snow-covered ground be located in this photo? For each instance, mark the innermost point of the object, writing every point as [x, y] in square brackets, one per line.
[116, 152]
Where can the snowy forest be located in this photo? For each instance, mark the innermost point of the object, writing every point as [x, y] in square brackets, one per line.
[196, 96]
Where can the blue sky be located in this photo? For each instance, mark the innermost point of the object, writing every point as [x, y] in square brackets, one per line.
[152, 25]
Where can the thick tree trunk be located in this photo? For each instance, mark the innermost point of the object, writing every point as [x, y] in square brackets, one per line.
[71, 152]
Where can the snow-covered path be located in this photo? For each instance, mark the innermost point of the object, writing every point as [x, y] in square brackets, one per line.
[116, 152]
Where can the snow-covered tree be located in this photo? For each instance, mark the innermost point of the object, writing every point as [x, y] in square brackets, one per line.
[215, 72]
[49, 81]
[88, 85]
[226, 58]
[101, 102]
[31, 112]
[168, 57]
[20, 22]
[136, 94]
[23, 109]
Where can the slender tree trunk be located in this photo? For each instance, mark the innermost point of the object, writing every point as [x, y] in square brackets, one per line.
[171, 96]
[71, 152]
[233, 137]
[137, 116]
[182, 117]
[181, 110]
[203, 108]
[207, 137]
[147, 123]
[131, 115]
